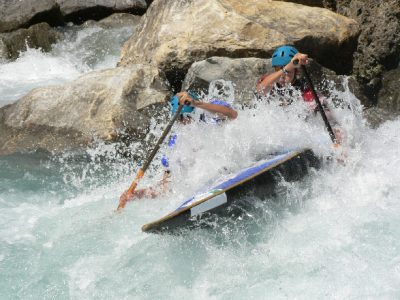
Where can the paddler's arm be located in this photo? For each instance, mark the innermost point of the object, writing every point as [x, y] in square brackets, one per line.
[214, 108]
[184, 98]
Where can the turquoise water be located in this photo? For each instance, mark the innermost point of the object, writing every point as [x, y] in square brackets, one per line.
[334, 235]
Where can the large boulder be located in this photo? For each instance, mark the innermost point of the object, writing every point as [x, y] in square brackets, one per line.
[174, 34]
[110, 105]
[37, 36]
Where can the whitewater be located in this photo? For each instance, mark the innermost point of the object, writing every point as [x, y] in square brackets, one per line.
[333, 235]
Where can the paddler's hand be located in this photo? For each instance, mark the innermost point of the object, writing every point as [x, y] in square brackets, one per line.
[125, 197]
[301, 59]
[185, 99]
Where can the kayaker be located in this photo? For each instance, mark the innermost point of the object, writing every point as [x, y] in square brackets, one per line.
[215, 111]
[284, 80]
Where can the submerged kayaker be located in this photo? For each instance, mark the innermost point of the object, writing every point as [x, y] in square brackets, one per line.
[284, 80]
[215, 111]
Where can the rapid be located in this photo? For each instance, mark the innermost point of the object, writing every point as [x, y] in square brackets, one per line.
[334, 235]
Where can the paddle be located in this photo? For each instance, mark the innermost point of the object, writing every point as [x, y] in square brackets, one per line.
[320, 107]
[128, 194]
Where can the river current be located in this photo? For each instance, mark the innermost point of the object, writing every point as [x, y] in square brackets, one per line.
[334, 235]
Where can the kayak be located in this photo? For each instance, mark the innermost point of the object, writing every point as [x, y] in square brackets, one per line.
[221, 198]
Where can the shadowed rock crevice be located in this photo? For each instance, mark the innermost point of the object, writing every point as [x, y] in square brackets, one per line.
[52, 17]
[97, 13]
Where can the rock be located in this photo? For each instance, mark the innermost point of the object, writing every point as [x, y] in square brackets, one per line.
[378, 47]
[389, 95]
[80, 11]
[15, 14]
[111, 105]
[174, 34]
[242, 72]
[37, 36]
[376, 116]
[115, 21]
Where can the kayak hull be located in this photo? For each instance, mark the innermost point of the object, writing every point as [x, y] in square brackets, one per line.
[223, 199]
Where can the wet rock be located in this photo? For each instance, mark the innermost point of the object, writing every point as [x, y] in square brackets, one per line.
[376, 116]
[37, 36]
[174, 34]
[115, 21]
[111, 105]
[242, 72]
[389, 95]
[15, 14]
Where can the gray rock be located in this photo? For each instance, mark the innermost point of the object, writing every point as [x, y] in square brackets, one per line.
[37, 36]
[379, 42]
[111, 105]
[15, 14]
[115, 21]
[389, 95]
[376, 116]
[242, 72]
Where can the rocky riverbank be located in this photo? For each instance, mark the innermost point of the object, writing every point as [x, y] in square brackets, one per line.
[181, 44]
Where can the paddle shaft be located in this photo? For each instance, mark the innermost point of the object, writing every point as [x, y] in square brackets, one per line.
[319, 104]
[129, 193]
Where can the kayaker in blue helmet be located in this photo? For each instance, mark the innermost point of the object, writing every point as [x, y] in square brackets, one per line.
[286, 75]
[215, 111]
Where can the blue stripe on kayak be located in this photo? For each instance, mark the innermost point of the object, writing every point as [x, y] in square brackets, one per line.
[241, 176]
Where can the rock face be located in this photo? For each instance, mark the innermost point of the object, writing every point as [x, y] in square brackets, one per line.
[16, 14]
[37, 36]
[378, 47]
[109, 105]
[174, 34]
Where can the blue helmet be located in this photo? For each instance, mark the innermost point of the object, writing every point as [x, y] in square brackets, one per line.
[187, 109]
[283, 55]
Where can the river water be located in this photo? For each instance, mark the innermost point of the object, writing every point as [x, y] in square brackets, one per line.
[333, 235]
